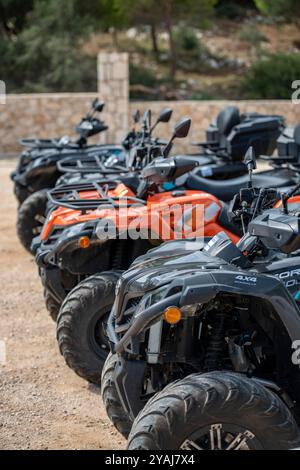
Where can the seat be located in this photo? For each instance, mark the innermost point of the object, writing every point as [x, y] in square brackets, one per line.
[227, 119]
[225, 190]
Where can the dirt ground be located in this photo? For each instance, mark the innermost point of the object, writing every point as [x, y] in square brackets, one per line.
[43, 404]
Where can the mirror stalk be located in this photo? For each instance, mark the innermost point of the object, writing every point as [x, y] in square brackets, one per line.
[285, 198]
[168, 147]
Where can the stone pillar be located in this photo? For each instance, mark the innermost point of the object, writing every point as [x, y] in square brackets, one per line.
[113, 88]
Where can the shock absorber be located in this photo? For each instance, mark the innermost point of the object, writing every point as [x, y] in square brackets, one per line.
[216, 342]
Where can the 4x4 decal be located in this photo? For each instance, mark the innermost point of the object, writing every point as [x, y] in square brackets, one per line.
[249, 280]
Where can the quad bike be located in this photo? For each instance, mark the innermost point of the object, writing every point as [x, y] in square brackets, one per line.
[72, 253]
[64, 142]
[232, 134]
[36, 168]
[82, 169]
[220, 158]
[204, 341]
[218, 161]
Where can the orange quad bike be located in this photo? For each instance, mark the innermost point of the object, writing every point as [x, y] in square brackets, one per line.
[95, 229]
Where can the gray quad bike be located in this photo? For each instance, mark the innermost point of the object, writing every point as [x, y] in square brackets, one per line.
[84, 306]
[205, 342]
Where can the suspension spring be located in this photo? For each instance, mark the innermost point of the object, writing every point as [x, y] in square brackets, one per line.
[216, 342]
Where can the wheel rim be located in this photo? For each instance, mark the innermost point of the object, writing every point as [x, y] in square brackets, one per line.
[222, 437]
[97, 337]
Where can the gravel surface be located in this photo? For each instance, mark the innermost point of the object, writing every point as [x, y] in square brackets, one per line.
[43, 404]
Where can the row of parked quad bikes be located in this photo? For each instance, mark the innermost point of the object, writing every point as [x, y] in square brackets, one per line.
[192, 345]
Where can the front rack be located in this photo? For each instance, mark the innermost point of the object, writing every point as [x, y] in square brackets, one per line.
[69, 196]
[47, 144]
[89, 164]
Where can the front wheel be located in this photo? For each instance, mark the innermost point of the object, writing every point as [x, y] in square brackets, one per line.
[31, 217]
[81, 325]
[215, 411]
[21, 192]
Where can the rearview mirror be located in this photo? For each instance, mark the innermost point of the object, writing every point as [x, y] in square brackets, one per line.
[182, 129]
[98, 105]
[180, 132]
[165, 115]
[250, 159]
[136, 116]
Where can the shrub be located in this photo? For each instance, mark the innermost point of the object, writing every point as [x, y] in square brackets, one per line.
[272, 77]
[142, 75]
[143, 83]
[186, 40]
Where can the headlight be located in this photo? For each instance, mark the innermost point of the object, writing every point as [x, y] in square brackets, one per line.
[74, 230]
[150, 299]
[157, 295]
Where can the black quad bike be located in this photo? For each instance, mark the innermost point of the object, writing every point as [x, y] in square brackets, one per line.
[227, 140]
[232, 133]
[36, 167]
[205, 342]
[220, 158]
[89, 123]
[83, 314]
[78, 170]
[205, 177]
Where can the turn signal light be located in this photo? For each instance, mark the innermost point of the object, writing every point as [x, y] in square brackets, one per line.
[172, 315]
[84, 242]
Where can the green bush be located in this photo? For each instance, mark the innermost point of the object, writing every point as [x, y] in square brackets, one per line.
[186, 40]
[272, 77]
[192, 53]
[142, 75]
[46, 55]
[143, 83]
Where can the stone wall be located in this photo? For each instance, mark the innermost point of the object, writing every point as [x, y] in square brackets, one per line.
[51, 115]
[54, 115]
[203, 112]
[43, 115]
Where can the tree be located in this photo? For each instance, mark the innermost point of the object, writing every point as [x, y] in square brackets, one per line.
[13, 15]
[46, 54]
[164, 14]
